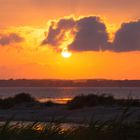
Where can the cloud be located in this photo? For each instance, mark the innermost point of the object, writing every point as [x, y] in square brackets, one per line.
[91, 35]
[127, 38]
[57, 30]
[10, 38]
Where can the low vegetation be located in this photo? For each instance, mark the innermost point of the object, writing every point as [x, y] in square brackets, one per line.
[22, 99]
[99, 100]
[17, 99]
[76, 103]
[117, 129]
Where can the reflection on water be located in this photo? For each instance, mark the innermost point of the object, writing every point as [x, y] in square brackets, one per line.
[63, 94]
[55, 100]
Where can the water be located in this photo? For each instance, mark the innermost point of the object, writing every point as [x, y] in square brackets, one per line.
[63, 94]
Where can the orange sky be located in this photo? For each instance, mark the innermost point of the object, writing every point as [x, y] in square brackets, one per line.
[23, 56]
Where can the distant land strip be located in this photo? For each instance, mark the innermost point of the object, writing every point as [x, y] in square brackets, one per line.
[69, 83]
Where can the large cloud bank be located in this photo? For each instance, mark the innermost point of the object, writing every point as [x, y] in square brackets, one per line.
[90, 34]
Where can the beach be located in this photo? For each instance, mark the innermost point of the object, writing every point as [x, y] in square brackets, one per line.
[62, 114]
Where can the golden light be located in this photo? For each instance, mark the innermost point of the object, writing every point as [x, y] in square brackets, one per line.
[65, 53]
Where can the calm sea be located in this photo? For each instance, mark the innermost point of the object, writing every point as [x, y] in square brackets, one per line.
[63, 94]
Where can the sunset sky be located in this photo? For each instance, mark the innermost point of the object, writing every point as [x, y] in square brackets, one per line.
[70, 39]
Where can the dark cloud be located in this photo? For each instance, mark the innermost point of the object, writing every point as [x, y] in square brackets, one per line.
[91, 35]
[10, 38]
[127, 38]
[57, 31]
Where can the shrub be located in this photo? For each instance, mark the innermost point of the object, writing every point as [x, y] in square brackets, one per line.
[17, 99]
[89, 101]
[22, 98]
[103, 100]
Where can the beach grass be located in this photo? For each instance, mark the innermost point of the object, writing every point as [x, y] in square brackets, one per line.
[116, 129]
[93, 100]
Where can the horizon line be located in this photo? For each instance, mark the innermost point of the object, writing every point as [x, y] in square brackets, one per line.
[82, 79]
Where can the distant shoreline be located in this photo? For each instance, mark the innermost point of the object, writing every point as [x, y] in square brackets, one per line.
[69, 83]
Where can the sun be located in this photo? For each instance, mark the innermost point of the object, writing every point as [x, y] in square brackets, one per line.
[65, 53]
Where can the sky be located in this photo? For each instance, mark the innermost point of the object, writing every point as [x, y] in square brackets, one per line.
[70, 39]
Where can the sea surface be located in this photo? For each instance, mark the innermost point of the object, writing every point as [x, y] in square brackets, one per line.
[63, 94]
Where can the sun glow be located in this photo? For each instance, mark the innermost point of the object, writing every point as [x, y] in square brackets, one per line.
[65, 53]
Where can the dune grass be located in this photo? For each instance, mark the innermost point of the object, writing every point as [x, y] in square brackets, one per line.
[116, 129]
[77, 102]
[92, 100]
[23, 99]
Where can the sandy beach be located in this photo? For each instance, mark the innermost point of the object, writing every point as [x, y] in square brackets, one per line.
[62, 114]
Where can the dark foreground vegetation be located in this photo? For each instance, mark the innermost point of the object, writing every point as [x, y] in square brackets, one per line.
[22, 99]
[100, 100]
[77, 102]
[117, 129]
[17, 99]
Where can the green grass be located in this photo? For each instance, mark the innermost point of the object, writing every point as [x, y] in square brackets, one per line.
[116, 129]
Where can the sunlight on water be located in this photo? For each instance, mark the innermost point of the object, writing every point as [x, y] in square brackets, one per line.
[55, 100]
[64, 94]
